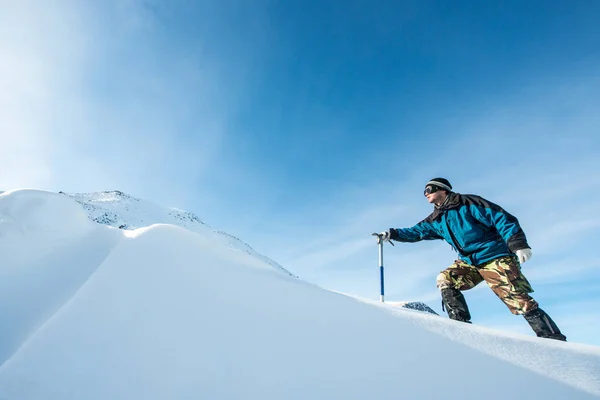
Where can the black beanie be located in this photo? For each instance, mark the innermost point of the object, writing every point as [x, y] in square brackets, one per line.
[441, 183]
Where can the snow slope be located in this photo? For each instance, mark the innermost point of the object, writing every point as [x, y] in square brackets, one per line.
[89, 311]
[120, 210]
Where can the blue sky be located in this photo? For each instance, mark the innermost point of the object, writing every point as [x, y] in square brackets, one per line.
[302, 127]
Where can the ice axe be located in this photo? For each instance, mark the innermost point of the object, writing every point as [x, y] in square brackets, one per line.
[380, 244]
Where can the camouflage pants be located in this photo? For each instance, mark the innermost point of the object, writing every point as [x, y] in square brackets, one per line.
[503, 275]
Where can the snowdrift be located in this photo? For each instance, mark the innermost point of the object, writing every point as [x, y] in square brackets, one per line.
[90, 311]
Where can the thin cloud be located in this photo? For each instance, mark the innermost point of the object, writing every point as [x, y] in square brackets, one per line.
[89, 102]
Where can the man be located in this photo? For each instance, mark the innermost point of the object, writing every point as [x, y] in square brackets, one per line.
[491, 247]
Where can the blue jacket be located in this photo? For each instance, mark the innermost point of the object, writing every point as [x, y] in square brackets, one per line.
[477, 229]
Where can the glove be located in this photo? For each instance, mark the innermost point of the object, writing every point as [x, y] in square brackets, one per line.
[384, 236]
[523, 255]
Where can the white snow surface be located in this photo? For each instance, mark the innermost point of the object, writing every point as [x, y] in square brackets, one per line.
[160, 311]
[120, 210]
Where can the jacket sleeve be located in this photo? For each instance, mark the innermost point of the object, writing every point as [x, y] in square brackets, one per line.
[422, 231]
[506, 224]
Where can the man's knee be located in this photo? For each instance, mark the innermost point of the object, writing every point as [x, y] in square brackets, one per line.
[443, 280]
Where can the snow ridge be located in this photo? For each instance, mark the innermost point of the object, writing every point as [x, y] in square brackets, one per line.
[121, 210]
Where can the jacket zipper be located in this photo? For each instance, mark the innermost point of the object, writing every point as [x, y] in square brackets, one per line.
[458, 248]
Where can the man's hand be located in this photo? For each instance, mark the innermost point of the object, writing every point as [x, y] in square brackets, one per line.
[384, 236]
[523, 255]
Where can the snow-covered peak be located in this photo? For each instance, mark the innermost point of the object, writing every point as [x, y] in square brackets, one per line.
[120, 210]
[123, 211]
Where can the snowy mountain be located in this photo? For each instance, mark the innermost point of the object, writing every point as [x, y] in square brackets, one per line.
[120, 210]
[163, 311]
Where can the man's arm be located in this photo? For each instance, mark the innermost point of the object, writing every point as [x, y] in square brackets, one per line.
[506, 224]
[422, 231]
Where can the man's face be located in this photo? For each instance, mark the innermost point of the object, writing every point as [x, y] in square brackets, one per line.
[435, 195]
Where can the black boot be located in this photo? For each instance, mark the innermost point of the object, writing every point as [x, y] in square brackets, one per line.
[456, 305]
[542, 325]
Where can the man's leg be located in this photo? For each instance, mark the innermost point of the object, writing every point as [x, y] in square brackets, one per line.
[543, 325]
[504, 277]
[459, 276]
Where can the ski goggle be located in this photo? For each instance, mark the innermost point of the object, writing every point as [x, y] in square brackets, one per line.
[431, 189]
